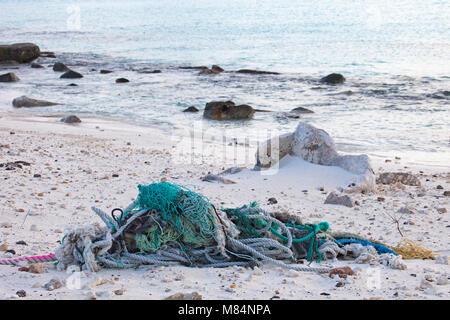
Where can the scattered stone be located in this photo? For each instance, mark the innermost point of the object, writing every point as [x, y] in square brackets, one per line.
[344, 200]
[424, 284]
[11, 251]
[27, 102]
[21, 293]
[71, 119]
[216, 178]
[72, 85]
[60, 67]
[20, 52]
[233, 170]
[442, 280]
[446, 193]
[441, 210]
[191, 109]
[9, 77]
[115, 175]
[34, 228]
[122, 80]
[439, 187]
[53, 285]
[119, 292]
[380, 199]
[36, 65]
[36, 175]
[342, 272]
[441, 259]
[185, 296]
[227, 110]
[4, 247]
[36, 268]
[394, 177]
[406, 210]
[272, 201]
[21, 242]
[333, 78]
[6, 225]
[71, 75]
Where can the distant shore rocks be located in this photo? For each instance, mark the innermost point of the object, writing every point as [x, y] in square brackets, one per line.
[9, 77]
[215, 69]
[333, 78]
[191, 109]
[60, 67]
[71, 75]
[71, 119]
[250, 71]
[27, 102]
[103, 71]
[20, 52]
[227, 110]
[122, 80]
[36, 65]
[301, 110]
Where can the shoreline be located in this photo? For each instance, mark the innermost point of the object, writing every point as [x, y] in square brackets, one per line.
[81, 166]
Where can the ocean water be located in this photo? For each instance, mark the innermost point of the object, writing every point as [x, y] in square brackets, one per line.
[394, 55]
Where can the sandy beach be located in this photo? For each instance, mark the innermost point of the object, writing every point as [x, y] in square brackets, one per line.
[100, 163]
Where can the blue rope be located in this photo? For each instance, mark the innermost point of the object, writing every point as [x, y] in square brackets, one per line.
[379, 247]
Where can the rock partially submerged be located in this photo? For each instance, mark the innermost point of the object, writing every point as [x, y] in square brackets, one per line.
[20, 52]
[301, 110]
[394, 177]
[191, 109]
[71, 75]
[27, 102]
[333, 78]
[250, 71]
[71, 119]
[215, 69]
[9, 77]
[60, 67]
[227, 110]
[122, 80]
[316, 146]
[36, 65]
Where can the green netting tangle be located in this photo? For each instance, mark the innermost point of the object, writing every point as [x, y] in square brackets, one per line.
[179, 215]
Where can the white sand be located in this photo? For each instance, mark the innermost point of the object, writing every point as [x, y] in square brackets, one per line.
[76, 164]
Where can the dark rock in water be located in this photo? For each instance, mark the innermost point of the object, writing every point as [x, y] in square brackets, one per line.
[194, 68]
[249, 71]
[71, 75]
[8, 63]
[9, 77]
[105, 71]
[301, 110]
[333, 78]
[227, 110]
[215, 178]
[216, 68]
[122, 80]
[272, 201]
[20, 52]
[72, 85]
[71, 119]
[402, 177]
[36, 65]
[333, 198]
[149, 71]
[213, 70]
[60, 67]
[24, 101]
[191, 109]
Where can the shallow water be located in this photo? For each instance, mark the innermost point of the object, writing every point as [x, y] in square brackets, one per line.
[395, 56]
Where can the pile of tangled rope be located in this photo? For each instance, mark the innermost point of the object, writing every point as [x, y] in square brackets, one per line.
[169, 224]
